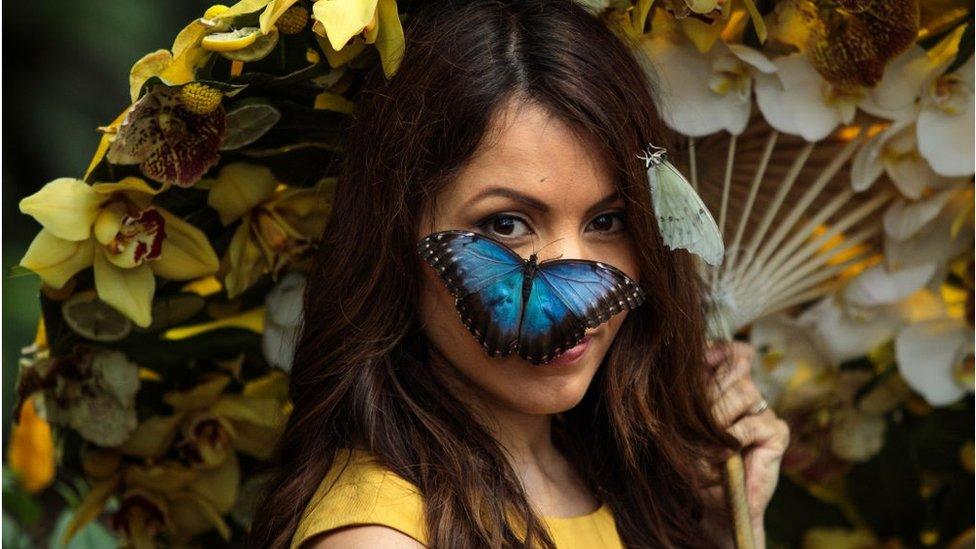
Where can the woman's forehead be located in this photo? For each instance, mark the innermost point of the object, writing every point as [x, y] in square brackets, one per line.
[530, 151]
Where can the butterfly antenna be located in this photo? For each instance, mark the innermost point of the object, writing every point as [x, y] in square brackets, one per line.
[544, 247]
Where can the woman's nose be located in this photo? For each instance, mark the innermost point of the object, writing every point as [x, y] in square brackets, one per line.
[562, 246]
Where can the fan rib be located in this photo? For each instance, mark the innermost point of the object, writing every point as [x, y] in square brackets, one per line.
[729, 265]
[772, 210]
[836, 228]
[770, 246]
[780, 286]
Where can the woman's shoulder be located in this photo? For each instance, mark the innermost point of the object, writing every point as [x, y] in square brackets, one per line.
[359, 490]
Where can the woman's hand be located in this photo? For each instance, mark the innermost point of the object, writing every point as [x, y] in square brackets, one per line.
[764, 437]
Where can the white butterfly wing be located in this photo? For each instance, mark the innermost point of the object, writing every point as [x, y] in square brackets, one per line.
[684, 219]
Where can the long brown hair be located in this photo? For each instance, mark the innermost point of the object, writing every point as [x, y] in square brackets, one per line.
[361, 374]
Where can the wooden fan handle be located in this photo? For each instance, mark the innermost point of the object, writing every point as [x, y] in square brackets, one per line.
[735, 487]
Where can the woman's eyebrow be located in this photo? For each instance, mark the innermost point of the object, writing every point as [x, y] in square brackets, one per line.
[603, 203]
[534, 203]
[510, 193]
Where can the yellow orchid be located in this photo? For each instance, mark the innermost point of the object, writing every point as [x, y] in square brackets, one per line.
[214, 424]
[114, 228]
[345, 25]
[31, 451]
[186, 497]
[278, 223]
[159, 497]
[373, 21]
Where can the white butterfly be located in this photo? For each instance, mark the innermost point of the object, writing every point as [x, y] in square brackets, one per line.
[684, 219]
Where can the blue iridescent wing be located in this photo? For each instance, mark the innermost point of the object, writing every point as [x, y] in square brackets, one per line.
[568, 296]
[485, 277]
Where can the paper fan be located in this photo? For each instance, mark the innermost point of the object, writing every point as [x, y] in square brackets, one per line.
[794, 230]
[793, 227]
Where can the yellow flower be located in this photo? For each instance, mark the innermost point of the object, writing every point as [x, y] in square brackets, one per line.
[187, 498]
[278, 223]
[31, 451]
[375, 21]
[115, 228]
[213, 424]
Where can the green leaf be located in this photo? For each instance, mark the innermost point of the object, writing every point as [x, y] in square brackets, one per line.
[247, 123]
[93, 536]
[14, 537]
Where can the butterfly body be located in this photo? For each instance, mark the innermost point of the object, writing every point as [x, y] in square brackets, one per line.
[511, 304]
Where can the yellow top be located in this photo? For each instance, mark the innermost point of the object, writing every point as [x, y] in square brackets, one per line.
[368, 493]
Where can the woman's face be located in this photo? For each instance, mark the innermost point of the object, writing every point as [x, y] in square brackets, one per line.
[537, 187]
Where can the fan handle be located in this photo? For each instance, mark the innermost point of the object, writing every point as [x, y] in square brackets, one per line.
[735, 488]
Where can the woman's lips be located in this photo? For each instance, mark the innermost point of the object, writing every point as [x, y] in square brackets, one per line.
[573, 354]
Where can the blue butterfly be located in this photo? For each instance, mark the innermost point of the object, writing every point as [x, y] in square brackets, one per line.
[509, 303]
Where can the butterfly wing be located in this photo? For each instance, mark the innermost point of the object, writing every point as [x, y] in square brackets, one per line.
[568, 296]
[485, 277]
[548, 326]
[684, 219]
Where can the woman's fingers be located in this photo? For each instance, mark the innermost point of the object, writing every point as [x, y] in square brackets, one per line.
[764, 428]
[736, 401]
[729, 373]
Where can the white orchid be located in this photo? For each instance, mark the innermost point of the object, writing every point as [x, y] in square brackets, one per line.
[915, 89]
[789, 368]
[283, 320]
[932, 356]
[702, 93]
[895, 152]
[945, 123]
[796, 100]
[929, 231]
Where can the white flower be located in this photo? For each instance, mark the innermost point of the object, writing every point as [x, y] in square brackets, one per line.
[797, 100]
[914, 235]
[879, 286]
[914, 88]
[928, 354]
[788, 367]
[704, 93]
[844, 336]
[894, 152]
[945, 123]
[283, 318]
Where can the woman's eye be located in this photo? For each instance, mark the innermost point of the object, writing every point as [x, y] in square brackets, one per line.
[608, 223]
[505, 225]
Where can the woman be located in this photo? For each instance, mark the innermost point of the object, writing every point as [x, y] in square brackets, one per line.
[521, 120]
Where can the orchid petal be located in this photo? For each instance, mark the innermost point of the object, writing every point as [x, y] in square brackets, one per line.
[247, 263]
[879, 286]
[926, 354]
[343, 19]
[186, 252]
[946, 140]
[687, 104]
[390, 40]
[152, 438]
[792, 99]
[844, 338]
[894, 97]
[130, 291]
[56, 260]
[903, 219]
[239, 188]
[66, 207]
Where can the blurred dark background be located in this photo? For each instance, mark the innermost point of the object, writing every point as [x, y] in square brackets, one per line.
[65, 72]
